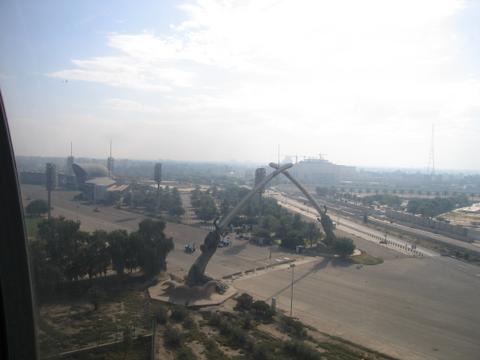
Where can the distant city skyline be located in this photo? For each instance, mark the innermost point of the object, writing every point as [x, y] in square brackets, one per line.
[208, 80]
[250, 163]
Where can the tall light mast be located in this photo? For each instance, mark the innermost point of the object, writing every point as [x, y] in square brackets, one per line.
[110, 161]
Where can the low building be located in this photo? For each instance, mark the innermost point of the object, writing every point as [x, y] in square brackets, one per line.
[33, 178]
[94, 182]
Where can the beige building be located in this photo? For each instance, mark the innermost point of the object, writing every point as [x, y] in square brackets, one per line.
[321, 171]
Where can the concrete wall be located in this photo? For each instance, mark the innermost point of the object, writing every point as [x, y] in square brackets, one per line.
[456, 231]
[473, 234]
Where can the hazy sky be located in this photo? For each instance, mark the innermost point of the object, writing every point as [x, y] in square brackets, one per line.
[359, 81]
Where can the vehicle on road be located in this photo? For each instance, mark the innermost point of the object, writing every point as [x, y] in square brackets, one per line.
[224, 243]
[190, 248]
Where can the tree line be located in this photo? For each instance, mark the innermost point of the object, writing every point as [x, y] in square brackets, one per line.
[268, 220]
[168, 199]
[64, 253]
[203, 204]
[436, 206]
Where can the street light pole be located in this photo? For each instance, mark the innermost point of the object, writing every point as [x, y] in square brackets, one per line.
[292, 266]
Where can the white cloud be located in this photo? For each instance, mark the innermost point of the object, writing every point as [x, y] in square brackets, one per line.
[377, 69]
[131, 106]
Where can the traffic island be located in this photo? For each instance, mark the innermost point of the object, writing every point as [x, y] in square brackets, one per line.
[365, 259]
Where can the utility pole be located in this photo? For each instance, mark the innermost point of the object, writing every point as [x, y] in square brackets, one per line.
[292, 266]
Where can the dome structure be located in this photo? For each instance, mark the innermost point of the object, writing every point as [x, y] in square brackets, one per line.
[85, 172]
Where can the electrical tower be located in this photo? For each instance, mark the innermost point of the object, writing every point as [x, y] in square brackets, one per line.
[431, 156]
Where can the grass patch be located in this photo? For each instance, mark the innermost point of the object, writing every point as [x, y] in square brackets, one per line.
[365, 259]
[71, 324]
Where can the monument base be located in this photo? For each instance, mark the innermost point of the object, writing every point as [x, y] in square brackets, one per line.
[176, 292]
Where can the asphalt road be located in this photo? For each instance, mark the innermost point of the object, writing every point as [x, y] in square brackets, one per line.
[349, 226]
[474, 246]
[405, 229]
[412, 308]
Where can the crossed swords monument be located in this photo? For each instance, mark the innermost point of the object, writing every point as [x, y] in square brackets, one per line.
[196, 276]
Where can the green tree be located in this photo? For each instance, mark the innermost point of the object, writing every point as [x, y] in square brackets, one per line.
[96, 254]
[63, 242]
[344, 246]
[118, 249]
[37, 207]
[153, 246]
[175, 206]
[78, 260]
[95, 295]
[206, 209]
[132, 251]
[46, 275]
[312, 233]
[269, 222]
[292, 239]
[262, 233]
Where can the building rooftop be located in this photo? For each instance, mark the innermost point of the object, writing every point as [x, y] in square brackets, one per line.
[101, 181]
[89, 171]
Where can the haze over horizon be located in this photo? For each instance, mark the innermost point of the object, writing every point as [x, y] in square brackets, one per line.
[217, 80]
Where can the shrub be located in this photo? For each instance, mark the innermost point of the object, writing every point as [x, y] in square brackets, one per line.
[293, 327]
[185, 353]
[179, 314]
[162, 315]
[173, 338]
[299, 350]
[215, 319]
[211, 345]
[225, 327]
[263, 351]
[213, 352]
[238, 336]
[262, 310]
[247, 322]
[244, 302]
[189, 323]
[344, 246]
